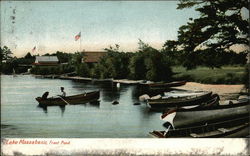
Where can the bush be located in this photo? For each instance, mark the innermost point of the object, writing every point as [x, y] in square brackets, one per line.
[83, 70]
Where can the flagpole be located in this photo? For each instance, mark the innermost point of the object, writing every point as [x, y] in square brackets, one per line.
[80, 41]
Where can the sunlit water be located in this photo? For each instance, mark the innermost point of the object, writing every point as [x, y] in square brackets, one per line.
[21, 116]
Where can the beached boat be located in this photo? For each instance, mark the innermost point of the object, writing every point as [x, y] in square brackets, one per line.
[163, 103]
[181, 93]
[184, 117]
[233, 127]
[70, 100]
[161, 85]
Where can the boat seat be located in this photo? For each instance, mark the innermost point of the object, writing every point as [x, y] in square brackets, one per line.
[223, 130]
[194, 135]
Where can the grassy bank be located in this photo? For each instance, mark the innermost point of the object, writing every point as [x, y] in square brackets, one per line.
[223, 75]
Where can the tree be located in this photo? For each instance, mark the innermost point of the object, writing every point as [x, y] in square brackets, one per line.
[148, 63]
[28, 56]
[77, 58]
[219, 26]
[5, 53]
[63, 57]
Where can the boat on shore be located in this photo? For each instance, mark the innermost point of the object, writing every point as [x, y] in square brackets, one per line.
[181, 117]
[69, 100]
[163, 103]
[232, 127]
[155, 85]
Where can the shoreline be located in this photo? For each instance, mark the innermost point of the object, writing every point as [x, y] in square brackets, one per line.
[125, 81]
[225, 91]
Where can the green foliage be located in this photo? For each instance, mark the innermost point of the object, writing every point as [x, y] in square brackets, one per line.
[112, 65]
[5, 53]
[83, 70]
[148, 63]
[76, 58]
[7, 68]
[46, 70]
[95, 72]
[29, 56]
[223, 75]
[219, 26]
[137, 66]
[64, 57]
[206, 57]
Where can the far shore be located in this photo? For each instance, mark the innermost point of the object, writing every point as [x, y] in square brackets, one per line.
[225, 91]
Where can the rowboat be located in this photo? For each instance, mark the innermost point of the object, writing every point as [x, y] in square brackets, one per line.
[181, 93]
[163, 85]
[185, 117]
[71, 100]
[233, 127]
[161, 104]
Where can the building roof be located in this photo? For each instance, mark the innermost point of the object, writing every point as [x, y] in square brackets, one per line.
[46, 59]
[93, 56]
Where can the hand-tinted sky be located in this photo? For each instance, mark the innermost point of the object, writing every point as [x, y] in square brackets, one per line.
[52, 25]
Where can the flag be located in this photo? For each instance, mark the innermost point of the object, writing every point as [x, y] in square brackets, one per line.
[77, 36]
[34, 49]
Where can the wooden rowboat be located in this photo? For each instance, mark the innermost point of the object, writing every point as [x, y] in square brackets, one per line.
[178, 102]
[154, 88]
[185, 117]
[237, 127]
[163, 85]
[72, 100]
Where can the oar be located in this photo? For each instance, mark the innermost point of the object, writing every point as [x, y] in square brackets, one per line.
[64, 100]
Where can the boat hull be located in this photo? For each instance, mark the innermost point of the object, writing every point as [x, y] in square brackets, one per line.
[231, 127]
[71, 100]
[185, 118]
[162, 104]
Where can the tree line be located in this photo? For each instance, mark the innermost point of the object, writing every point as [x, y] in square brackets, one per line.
[146, 63]
[205, 41]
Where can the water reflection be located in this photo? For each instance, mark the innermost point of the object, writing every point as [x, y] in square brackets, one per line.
[98, 119]
[45, 108]
[95, 104]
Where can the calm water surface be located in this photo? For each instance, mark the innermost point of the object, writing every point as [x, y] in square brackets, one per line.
[21, 116]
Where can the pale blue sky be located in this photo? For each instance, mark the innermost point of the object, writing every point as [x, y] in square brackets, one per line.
[51, 26]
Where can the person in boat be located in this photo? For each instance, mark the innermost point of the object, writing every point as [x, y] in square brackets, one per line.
[63, 92]
[45, 95]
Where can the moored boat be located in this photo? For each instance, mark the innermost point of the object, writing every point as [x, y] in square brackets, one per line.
[233, 127]
[162, 85]
[70, 100]
[181, 93]
[161, 104]
[184, 117]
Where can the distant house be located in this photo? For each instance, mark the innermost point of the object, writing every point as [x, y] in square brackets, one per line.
[46, 61]
[91, 57]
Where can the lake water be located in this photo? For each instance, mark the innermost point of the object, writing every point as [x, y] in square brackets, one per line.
[21, 116]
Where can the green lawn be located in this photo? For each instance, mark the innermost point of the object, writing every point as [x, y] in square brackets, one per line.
[223, 75]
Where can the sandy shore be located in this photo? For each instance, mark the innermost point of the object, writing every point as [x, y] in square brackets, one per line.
[226, 92]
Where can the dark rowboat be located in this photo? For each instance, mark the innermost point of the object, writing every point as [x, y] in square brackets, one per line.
[161, 104]
[72, 100]
[159, 86]
[237, 127]
[185, 117]
[163, 85]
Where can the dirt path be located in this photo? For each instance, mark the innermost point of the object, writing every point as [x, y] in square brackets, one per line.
[226, 92]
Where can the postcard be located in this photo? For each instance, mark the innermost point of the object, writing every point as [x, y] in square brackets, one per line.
[125, 77]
